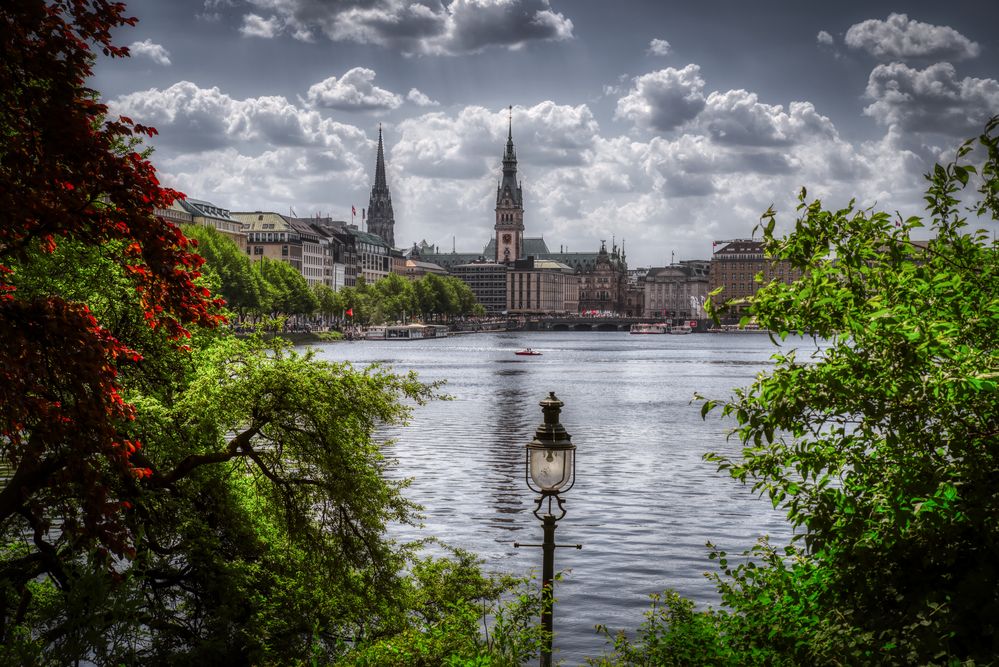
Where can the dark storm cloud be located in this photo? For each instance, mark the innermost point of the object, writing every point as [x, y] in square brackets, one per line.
[681, 184]
[404, 26]
[461, 26]
[930, 100]
[477, 24]
[899, 38]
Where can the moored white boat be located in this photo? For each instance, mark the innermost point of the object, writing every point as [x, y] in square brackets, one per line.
[639, 328]
[406, 332]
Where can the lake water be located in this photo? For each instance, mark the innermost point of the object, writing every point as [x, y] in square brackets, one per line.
[644, 502]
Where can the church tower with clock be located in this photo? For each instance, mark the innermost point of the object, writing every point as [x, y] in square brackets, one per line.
[509, 207]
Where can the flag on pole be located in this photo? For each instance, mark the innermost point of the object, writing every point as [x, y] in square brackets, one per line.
[350, 312]
[362, 214]
[353, 211]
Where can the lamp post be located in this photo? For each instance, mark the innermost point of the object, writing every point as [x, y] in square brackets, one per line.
[550, 469]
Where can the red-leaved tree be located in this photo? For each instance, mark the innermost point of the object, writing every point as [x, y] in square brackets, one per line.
[70, 174]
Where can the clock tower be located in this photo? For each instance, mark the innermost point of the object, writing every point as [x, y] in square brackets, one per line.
[509, 207]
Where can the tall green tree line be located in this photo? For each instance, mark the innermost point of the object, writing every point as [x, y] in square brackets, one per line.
[268, 287]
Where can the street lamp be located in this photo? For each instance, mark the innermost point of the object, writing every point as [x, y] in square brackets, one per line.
[550, 469]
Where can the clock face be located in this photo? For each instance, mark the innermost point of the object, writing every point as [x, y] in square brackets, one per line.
[506, 238]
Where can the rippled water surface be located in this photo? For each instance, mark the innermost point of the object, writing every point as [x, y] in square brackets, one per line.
[644, 503]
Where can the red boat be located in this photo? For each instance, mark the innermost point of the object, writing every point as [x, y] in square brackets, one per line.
[528, 352]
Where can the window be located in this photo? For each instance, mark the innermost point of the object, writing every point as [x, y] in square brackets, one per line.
[258, 250]
[284, 251]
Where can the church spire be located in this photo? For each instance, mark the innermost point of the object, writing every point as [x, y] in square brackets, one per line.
[509, 135]
[509, 188]
[381, 219]
[380, 181]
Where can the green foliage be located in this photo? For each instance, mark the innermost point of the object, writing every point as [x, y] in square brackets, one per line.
[432, 297]
[673, 634]
[260, 531]
[269, 287]
[243, 288]
[460, 618]
[170, 495]
[331, 304]
[881, 445]
[288, 291]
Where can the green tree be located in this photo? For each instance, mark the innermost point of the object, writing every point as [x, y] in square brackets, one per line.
[72, 182]
[881, 444]
[331, 304]
[238, 283]
[395, 297]
[358, 300]
[168, 495]
[289, 292]
[467, 303]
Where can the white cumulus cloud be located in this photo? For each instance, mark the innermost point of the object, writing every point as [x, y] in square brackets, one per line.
[421, 99]
[149, 49]
[824, 38]
[738, 117]
[354, 90]
[659, 47]
[900, 38]
[933, 99]
[193, 119]
[257, 26]
[663, 100]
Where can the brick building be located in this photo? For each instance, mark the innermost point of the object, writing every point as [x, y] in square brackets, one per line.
[735, 265]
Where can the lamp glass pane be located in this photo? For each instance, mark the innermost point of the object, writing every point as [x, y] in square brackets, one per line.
[551, 469]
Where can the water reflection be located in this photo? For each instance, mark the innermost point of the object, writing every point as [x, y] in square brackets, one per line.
[505, 453]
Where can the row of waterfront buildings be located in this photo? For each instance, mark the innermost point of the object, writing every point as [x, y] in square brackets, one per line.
[512, 274]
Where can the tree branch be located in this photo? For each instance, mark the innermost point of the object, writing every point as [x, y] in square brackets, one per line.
[241, 443]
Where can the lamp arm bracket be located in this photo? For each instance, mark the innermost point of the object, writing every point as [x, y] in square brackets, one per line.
[517, 545]
[540, 501]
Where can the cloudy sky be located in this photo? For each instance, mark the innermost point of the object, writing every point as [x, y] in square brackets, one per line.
[660, 124]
